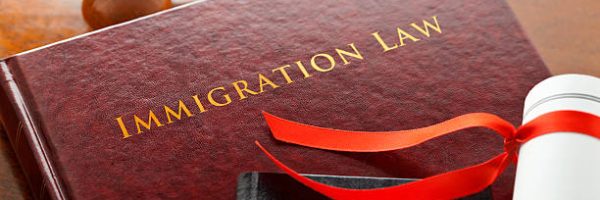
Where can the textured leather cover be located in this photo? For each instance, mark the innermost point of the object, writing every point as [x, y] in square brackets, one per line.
[73, 91]
[274, 186]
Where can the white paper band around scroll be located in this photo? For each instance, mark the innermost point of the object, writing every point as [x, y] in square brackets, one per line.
[560, 165]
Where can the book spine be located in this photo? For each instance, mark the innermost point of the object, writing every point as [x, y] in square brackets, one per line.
[25, 138]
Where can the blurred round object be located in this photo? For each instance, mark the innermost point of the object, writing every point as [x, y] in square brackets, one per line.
[102, 13]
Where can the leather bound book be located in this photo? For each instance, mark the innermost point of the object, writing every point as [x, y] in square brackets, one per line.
[169, 106]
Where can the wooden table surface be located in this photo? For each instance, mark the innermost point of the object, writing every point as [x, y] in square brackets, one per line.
[565, 33]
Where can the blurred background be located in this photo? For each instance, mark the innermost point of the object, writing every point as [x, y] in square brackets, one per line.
[566, 34]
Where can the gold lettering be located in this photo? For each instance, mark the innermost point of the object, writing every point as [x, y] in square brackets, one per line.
[406, 35]
[244, 88]
[177, 115]
[356, 54]
[382, 43]
[428, 25]
[199, 104]
[215, 103]
[313, 62]
[284, 73]
[302, 69]
[319, 62]
[123, 128]
[265, 81]
[151, 118]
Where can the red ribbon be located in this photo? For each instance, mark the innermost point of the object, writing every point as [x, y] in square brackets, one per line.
[449, 185]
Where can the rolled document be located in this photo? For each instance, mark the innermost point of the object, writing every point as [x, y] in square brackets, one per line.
[561, 165]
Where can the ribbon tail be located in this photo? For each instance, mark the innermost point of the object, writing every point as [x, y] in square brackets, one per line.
[449, 185]
[364, 141]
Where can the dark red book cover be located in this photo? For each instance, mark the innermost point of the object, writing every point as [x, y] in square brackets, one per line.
[169, 106]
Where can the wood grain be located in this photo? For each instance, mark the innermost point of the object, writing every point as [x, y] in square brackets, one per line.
[563, 31]
[566, 33]
[26, 24]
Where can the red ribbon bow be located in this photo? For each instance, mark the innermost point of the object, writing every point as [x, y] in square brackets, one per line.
[449, 185]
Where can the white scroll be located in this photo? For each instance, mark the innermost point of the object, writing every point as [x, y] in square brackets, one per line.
[561, 165]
